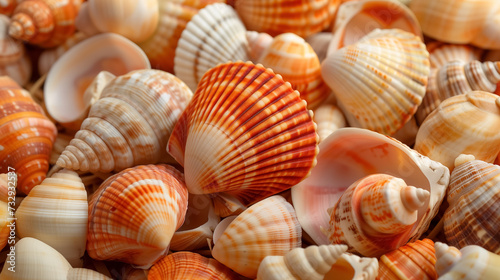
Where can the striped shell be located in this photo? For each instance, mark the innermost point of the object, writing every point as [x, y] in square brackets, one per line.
[26, 135]
[46, 23]
[187, 265]
[414, 260]
[463, 124]
[473, 195]
[294, 59]
[281, 16]
[4, 205]
[8, 6]
[130, 124]
[441, 53]
[390, 75]
[214, 35]
[134, 214]
[14, 61]
[328, 118]
[246, 132]
[267, 228]
[63, 222]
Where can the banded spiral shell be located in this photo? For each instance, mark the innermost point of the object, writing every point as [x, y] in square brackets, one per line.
[441, 53]
[130, 124]
[14, 61]
[245, 132]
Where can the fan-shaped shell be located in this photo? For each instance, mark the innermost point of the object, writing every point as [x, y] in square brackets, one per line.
[46, 23]
[267, 228]
[245, 132]
[328, 118]
[311, 263]
[379, 81]
[56, 212]
[414, 260]
[49, 57]
[130, 124]
[64, 90]
[214, 35]
[274, 17]
[441, 53]
[134, 214]
[187, 265]
[26, 135]
[463, 124]
[294, 59]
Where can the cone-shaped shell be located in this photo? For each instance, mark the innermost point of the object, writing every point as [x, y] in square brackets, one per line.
[463, 124]
[8, 6]
[187, 265]
[472, 216]
[294, 59]
[274, 17]
[26, 135]
[246, 132]
[471, 262]
[379, 81]
[134, 214]
[214, 35]
[267, 228]
[7, 189]
[310, 263]
[56, 212]
[46, 23]
[414, 260]
[130, 124]
[14, 61]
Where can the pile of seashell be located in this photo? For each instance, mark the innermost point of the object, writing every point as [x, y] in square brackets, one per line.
[249, 139]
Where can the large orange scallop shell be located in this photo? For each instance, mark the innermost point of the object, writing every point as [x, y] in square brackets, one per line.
[26, 135]
[246, 132]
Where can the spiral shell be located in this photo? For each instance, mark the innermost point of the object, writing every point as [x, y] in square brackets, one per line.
[441, 53]
[14, 61]
[328, 118]
[8, 6]
[134, 214]
[130, 124]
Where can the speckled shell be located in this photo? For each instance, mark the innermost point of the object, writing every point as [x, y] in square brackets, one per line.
[463, 124]
[328, 118]
[130, 124]
[173, 18]
[14, 61]
[26, 135]
[267, 228]
[49, 57]
[280, 16]
[472, 215]
[441, 53]
[133, 214]
[187, 265]
[414, 260]
[46, 23]
[294, 59]
[4, 206]
[214, 35]
[245, 132]
[390, 69]
[56, 212]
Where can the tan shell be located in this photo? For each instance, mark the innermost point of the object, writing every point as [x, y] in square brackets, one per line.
[441, 53]
[328, 118]
[258, 42]
[50, 56]
[7, 188]
[14, 61]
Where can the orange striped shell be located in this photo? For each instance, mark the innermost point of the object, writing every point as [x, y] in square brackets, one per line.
[26, 135]
[8, 6]
[246, 132]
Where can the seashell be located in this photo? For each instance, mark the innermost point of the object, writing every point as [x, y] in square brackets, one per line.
[130, 124]
[376, 214]
[414, 260]
[328, 118]
[458, 77]
[462, 124]
[441, 53]
[8, 6]
[471, 262]
[311, 263]
[188, 265]
[85, 274]
[294, 59]
[349, 154]
[83, 22]
[14, 61]
[136, 20]
[64, 90]
[26, 136]
[131, 273]
[391, 69]
[267, 228]
[356, 19]
[50, 56]
[45, 23]
[471, 218]
[226, 205]
[63, 222]
[134, 214]
[6, 180]
[274, 17]
[460, 22]
[199, 225]
[350, 266]
[244, 147]
[319, 42]
[173, 18]
[257, 43]
[214, 35]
